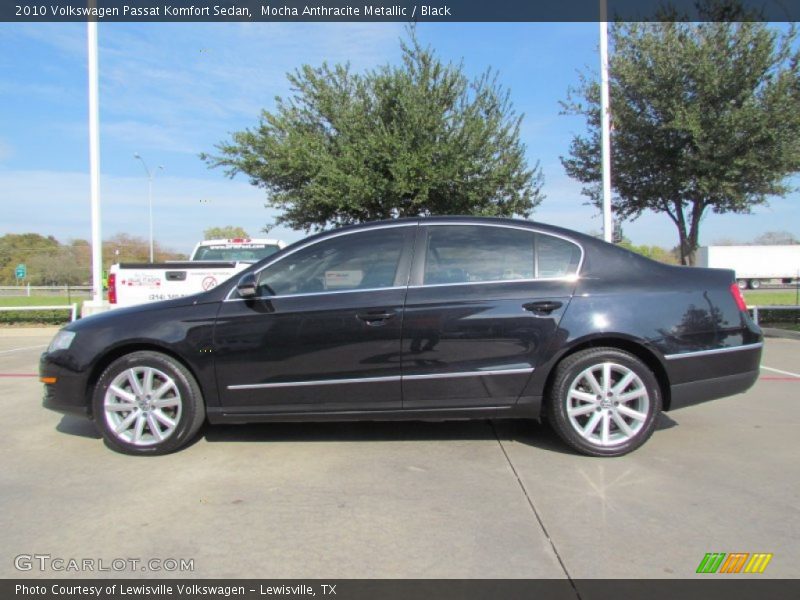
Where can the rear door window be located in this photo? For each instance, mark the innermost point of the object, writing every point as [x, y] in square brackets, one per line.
[476, 253]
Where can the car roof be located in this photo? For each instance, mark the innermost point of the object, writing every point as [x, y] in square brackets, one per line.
[584, 239]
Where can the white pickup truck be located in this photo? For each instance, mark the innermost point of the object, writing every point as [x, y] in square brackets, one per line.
[211, 263]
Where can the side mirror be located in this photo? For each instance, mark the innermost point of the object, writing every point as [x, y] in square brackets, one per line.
[246, 287]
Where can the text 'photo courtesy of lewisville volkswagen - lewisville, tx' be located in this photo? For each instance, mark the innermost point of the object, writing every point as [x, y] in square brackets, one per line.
[394, 300]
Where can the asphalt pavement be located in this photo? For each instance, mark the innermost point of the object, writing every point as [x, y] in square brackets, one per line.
[410, 500]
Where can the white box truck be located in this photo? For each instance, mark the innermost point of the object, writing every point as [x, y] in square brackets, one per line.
[754, 265]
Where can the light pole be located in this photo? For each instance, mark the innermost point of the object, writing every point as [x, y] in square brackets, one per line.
[150, 176]
[605, 123]
[96, 303]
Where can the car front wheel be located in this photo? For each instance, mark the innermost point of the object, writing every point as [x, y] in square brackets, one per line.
[147, 403]
[604, 402]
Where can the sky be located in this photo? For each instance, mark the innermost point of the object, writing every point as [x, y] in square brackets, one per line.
[169, 91]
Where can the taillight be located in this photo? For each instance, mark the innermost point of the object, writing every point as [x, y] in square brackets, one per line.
[737, 296]
[112, 288]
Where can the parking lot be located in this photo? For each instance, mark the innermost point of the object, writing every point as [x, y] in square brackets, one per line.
[412, 500]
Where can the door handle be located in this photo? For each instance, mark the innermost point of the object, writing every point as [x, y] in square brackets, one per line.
[376, 317]
[544, 307]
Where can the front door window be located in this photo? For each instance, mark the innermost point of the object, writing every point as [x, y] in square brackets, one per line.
[358, 261]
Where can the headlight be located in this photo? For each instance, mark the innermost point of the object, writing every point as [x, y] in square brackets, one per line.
[62, 341]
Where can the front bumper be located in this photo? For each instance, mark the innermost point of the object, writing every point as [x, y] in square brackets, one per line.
[68, 394]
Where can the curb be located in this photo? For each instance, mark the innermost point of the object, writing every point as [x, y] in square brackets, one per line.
[781, 333]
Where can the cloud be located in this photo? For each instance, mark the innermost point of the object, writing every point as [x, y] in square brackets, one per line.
[144, 135]
[6, 150]
[171, 87]
[175, 74]
[67, 38]
[58, 203]
[170, 90]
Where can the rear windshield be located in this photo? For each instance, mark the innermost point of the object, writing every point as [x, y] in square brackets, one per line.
[235, 252]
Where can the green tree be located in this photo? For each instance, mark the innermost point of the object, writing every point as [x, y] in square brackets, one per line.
[51, 263]
[27, 249]
[68, 264]
[415, 139]
[122, 247]
[705, 118]
[655, 252]
[226, 232]
[773, 238]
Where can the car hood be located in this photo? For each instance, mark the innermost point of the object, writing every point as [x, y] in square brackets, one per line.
[111, 316]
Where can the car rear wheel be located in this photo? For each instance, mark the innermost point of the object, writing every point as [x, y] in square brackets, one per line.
[147, 403]
[604, 402]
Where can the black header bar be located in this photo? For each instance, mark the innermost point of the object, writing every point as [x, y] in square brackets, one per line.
[385, 11]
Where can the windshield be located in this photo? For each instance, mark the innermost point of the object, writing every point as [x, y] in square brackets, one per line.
[235, 252]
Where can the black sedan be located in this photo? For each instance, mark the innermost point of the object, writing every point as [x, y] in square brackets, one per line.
[431, 318]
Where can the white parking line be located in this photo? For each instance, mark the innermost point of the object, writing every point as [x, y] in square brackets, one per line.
[23, 348]
[781, 372]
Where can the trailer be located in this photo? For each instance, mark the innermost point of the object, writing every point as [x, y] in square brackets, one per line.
[754, 265]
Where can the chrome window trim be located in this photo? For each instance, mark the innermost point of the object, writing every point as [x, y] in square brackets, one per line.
[531, 229]
[494, 281]
[327, 292]
[312, 243]
[284, 384]
[713, 351]
[422, 222]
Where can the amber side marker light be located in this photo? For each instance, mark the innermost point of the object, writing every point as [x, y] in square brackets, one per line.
[48, 379]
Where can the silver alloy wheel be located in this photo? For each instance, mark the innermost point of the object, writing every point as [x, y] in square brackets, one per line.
[607, 404]
[142, 406]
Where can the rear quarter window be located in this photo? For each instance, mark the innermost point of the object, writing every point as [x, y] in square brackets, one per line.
[556, 257]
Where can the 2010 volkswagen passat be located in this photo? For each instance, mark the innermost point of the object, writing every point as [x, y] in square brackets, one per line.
[431, 318]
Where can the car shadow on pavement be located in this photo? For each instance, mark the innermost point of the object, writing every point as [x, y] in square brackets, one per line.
[528, 432]
[665, 422]
[359, 431]
[78, 426]
[525, 431]
[542, 436]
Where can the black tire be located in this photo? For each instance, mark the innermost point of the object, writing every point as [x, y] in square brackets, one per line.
[177, 399]
[755, 284]
[742, 283]
[571, 380]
